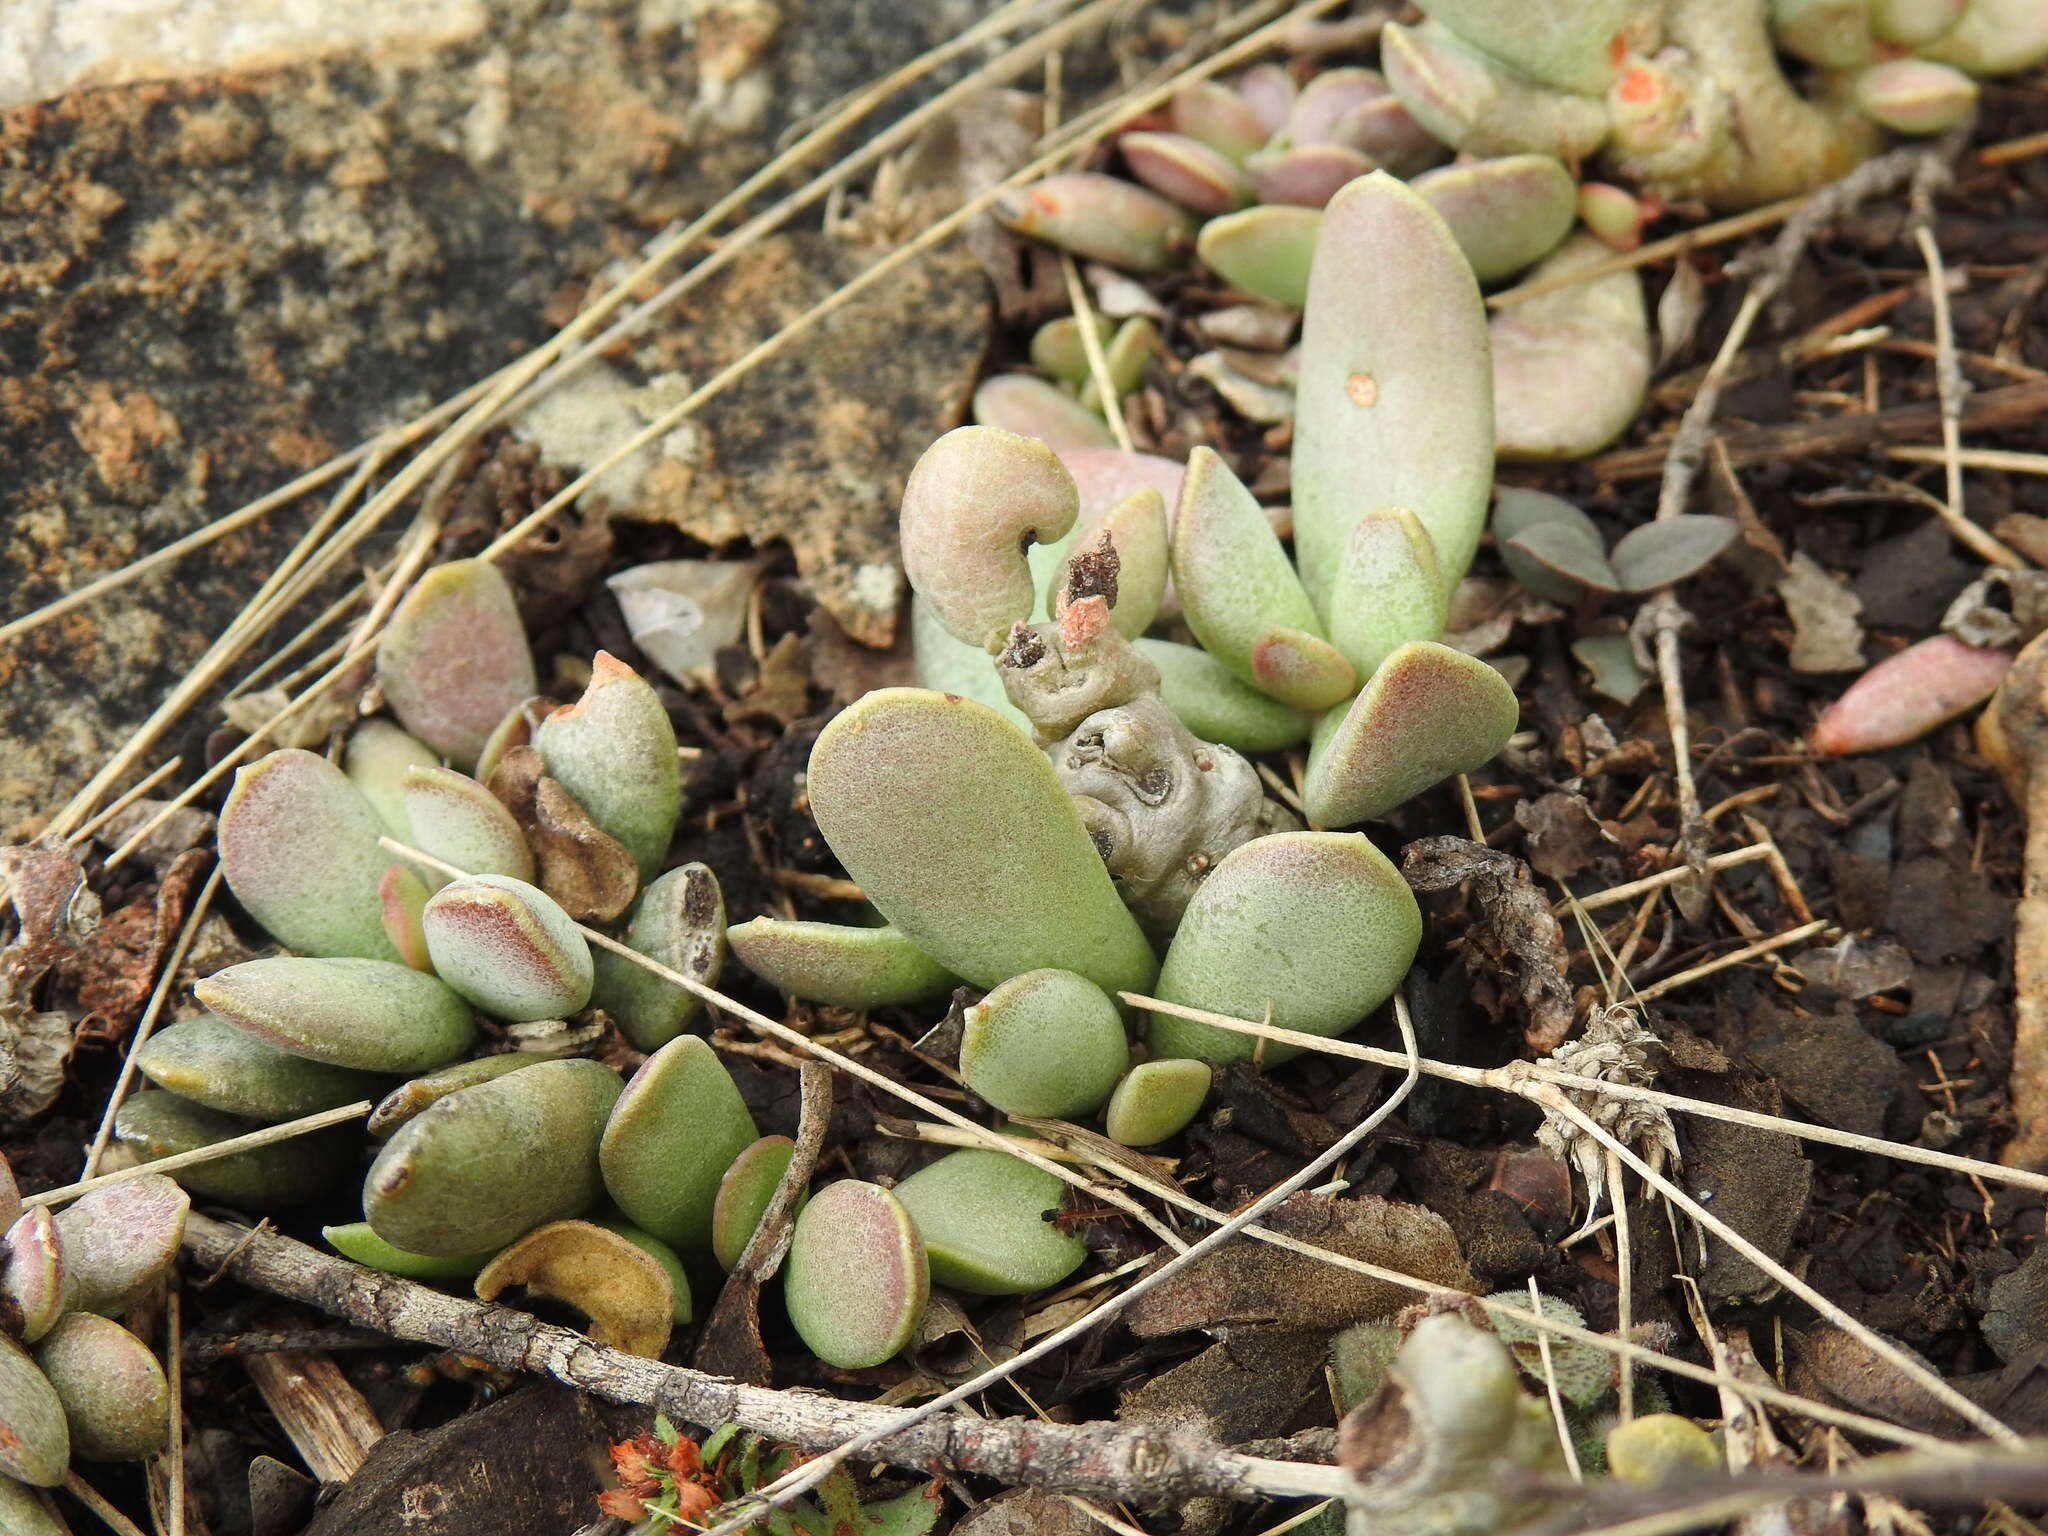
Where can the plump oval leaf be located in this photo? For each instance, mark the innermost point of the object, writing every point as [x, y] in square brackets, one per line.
[679, 921]
[1047, 1043]
[614, 750]
[671, 1136]
[839, 965]
[215, 1063]
[856, 1280]
[1216, 704]
[454, 658]
[986, 1219]
[1156, 1099]
[508, 948]
[743, 1196]
[371, 1015]
[114, 1393]
[272, 1178]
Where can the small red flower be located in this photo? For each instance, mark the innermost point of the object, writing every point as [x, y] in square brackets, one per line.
[620, 1504]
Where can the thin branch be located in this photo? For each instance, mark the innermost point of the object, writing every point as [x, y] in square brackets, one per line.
[1111, 1460]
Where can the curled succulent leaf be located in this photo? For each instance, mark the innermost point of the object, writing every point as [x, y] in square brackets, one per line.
[589, 873]
[376, 759]
[1317, 927]
[355, 1240]
[1027, 406]
[994, 875]
[1916, 95]
[1239, 594]
[1228, 121]
[1186, 170]
[286, 1173]
[986, 1219]
[1660, 1450]
[839, 965]
[671, 1262]
[298, 847]
[611, 1280]
[743, 1196]
[1047, 1043]
[1265, 251]
[1394, 407]
[372, 1015]
[1908, 694]
[1570, 366]
[1427, 713]
[976, 499]
[1156, 1099]
[508, 948]
[1470, 101]
[454, 658]
[856, 1280]
[494, 1160]
[35, 1441]
[614, 750]
[409, 1098]
[33, 1287]
[1389, 590]
[459, 822]
[114, 1393]
[1103, 218]
[678, 921]
[225, 1067]
[671, 1136]
[402, 897]
[1216, 704]
[1506, 213]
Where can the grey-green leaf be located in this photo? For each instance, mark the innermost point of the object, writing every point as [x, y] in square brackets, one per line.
[371, 1015]
[1047, 1043]
[986, 1221]
[837, 964]
[671, 1136]
[1670, 549]
[678, 921]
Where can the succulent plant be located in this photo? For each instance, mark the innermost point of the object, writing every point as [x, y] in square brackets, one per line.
[679, 920]
[1045, 1043]
[839, 965]
[156, 1125]
[115, 1398]
[416, 1094]
[1556, 551]
[615, 752]
[359, 1241]
[744, 1191]
[1156, 1100]
[227, 1067]
[368, 1015]
[1661, 1449]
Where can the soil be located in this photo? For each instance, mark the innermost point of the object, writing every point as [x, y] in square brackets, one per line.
[209, 286]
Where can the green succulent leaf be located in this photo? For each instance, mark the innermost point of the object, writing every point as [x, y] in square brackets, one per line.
[459, 822]
[960, 833]
[1219, 117]
[369, 1015]
[1427, 713]
[1394, 408]
[679, 921]
[298, 847]
[1570, 366]
[23, 1512]
[986, 1221]
[402, 895]
[355, 1240]
[409, 1098]
[508, 948]
[1305, 175]
[225, 1067]
[376, 759]
[1612, 661]
[494, 1160]
[837, 964]
[1236, 586]
[1047, 1043]
[1027, 406]
[1318, 927]
[1475, 104]
[947, 665]
[615, 752]
[1216, 704]
[975, 499]
[1507, 213]
[1264, 251]
[287, 1173]
[1300, 669]
[743, 1195]
[1156, 1099]
[856, 1280]
[454, 658]
[114, 1393]
[35, 1442]
[1389, 589]
[1568, 556]
[1057, 347]
[674, 1132]
[1103, 218]
[1573, 45]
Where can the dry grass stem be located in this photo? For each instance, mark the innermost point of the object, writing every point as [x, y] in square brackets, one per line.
[1499, 1080]
[1748, 952]
[1972, 458]
[267, 1136]
[1091, 343]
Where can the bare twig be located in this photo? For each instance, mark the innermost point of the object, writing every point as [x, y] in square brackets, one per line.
[1110, 1460]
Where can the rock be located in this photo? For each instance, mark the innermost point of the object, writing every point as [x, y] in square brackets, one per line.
[220, 281]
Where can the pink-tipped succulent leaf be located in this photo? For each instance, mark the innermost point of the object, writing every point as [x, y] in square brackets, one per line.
[454, 658]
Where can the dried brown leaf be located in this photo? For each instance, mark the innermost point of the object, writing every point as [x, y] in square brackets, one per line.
[1516, 952]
